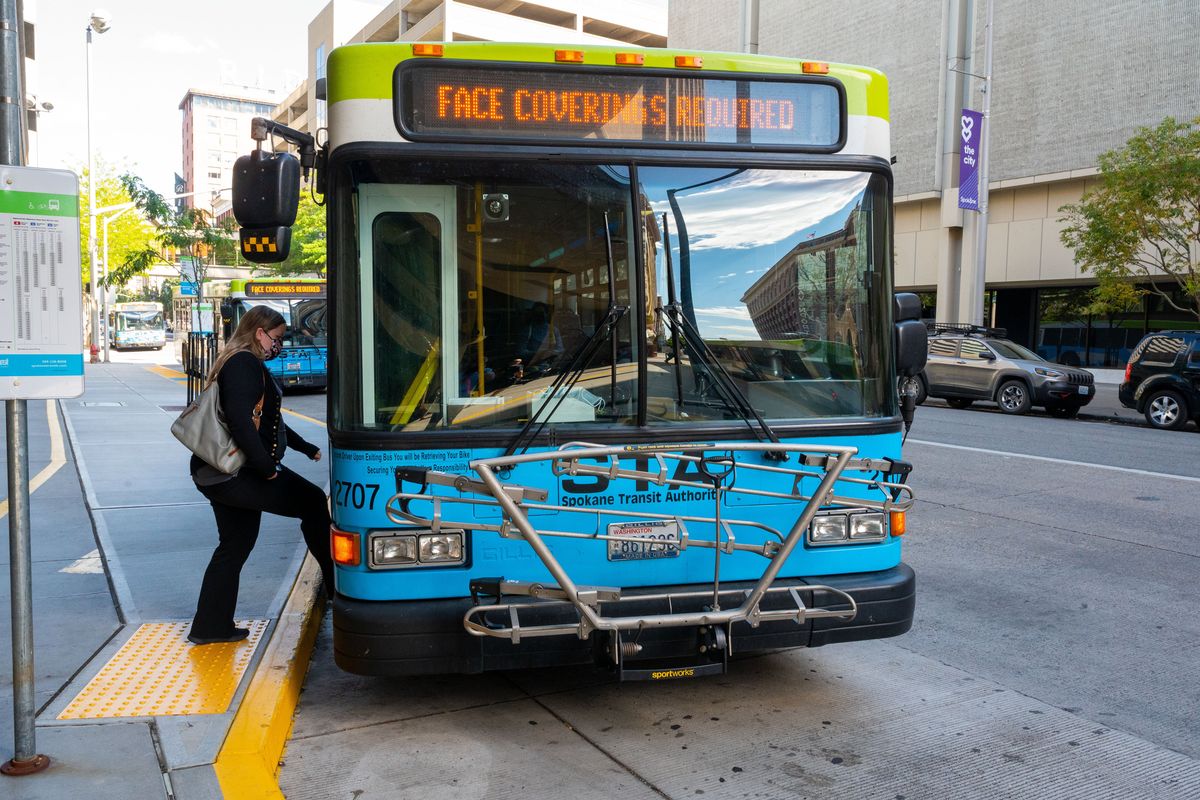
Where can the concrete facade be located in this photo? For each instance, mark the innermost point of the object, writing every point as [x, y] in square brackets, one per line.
[216, 131]
[1071, 80]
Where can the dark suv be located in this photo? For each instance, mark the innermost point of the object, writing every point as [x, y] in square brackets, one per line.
[1162, 379]
[969, 363]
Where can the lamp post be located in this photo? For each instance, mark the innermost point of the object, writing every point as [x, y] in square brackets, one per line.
[123, 207]
[99, 22]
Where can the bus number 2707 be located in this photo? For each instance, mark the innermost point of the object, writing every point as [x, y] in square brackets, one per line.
[358, 495]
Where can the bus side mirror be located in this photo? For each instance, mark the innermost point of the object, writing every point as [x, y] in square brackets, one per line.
[911, 338]
[266, 194]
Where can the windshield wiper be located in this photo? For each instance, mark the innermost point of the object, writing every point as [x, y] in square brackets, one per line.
[705, 362]
[582, 356]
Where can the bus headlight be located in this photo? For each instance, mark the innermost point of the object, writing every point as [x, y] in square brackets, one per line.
[829, 529]
[396, 549]
[868, 527]
[852, 527]
[440, 548]
[393, 550]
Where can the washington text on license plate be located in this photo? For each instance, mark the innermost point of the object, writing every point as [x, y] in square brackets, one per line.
[638, 541]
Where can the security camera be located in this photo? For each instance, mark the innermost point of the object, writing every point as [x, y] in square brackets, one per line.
[495, 207]
[101, 20]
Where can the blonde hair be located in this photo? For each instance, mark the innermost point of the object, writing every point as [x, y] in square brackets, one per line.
[243, 339]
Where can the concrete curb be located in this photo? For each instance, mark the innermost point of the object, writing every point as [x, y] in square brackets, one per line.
[247, 765]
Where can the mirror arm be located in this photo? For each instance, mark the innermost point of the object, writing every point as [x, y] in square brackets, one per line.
[261, 128]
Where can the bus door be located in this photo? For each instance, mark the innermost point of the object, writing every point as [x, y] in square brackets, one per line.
[408, 234]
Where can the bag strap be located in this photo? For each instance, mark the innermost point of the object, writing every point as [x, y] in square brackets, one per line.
[256, 414]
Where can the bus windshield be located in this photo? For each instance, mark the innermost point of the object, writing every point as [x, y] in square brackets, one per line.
[485, 293]
[139, 320]
[305, 319]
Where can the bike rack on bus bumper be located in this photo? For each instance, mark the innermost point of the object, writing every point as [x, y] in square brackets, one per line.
[598, 607]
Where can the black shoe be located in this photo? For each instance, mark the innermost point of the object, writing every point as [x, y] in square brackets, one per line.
[237, 635]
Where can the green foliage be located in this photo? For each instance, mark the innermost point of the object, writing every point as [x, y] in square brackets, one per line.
[128, 233]
[187, 231]
[1142, 221]
[307, 254]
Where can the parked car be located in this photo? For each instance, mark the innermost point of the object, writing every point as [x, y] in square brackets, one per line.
[969, 363]
[1162, 379]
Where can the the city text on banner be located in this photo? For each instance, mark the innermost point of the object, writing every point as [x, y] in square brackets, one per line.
[971, 128]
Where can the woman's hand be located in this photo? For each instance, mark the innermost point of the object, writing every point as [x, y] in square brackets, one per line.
[316, 456]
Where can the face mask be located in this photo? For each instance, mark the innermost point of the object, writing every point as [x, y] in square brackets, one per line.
[276, 347]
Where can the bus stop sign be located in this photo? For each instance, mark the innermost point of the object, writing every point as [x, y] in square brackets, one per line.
[41, 298]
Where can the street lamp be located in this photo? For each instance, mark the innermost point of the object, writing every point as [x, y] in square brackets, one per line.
[124, 207]
[99, 22]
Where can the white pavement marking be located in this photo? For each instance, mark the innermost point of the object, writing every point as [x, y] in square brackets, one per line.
[1068, 462]
[126, 610]
[58, 456]
[88, 565]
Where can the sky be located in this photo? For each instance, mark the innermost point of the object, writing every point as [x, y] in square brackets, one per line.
[154, 51]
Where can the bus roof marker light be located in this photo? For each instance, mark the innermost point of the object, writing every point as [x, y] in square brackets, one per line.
[814, 67]
[689, 62]
[630, 59]
[345, 548]
[569, 56]
[426, 49]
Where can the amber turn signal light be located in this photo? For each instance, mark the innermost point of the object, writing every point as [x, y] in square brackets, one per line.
[345, 548]
[898, 522]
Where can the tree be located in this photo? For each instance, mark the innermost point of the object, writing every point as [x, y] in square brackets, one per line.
[1142, 221]
[127, 234]
[188, 231]
[308, 240]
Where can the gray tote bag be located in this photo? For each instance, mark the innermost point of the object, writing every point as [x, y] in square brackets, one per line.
[202, 429]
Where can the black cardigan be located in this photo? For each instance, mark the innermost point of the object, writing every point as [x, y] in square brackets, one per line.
[242, 380]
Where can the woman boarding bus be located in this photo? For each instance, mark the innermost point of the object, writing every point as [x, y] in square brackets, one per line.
[520, 475]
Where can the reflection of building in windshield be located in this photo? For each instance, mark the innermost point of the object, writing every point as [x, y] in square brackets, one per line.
[813, 292]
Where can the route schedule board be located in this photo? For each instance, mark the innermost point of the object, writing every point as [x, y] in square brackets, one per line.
[41, 298]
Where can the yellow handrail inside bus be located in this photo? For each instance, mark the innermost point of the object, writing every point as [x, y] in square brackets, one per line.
[416, 391]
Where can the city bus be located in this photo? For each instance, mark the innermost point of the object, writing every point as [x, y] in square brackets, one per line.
[546, 265]
[136, 326]
[304, 360]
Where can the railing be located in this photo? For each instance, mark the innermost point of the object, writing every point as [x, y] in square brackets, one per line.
[199, 352]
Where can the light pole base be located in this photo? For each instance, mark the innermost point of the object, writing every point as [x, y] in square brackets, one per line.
[27, 766]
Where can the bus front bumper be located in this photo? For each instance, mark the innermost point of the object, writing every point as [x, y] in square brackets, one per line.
[421, 637]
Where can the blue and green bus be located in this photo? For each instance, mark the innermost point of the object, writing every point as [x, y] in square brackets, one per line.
[615, 354]
[304, 360]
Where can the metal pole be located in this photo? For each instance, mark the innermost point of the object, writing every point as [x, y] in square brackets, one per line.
[25, 758]
[104, 290]
[981, 227]
[92, 202]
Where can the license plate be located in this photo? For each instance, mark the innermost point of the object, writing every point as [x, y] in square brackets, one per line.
[640, 541]
[292, 366]
[1085, 390]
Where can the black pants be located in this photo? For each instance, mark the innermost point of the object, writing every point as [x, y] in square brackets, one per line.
[238, 505]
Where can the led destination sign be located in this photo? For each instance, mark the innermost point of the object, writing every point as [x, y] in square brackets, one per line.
[267, 289]
[591, 107]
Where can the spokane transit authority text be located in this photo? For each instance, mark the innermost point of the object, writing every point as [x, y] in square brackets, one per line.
[458, 103]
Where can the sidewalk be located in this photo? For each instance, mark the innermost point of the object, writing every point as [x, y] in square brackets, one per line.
[120, 540]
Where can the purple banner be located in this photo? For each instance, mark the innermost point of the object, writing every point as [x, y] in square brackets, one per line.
[971, 129]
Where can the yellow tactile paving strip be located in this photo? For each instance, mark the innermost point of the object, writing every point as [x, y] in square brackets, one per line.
[158, 672]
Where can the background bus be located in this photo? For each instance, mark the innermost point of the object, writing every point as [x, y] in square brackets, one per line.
[303, 361]
[523, 473]
[136, 326]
